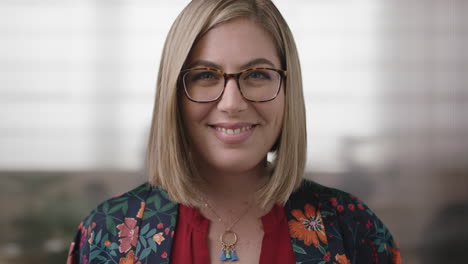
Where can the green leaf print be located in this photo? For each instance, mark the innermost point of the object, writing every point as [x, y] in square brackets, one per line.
[298, 249]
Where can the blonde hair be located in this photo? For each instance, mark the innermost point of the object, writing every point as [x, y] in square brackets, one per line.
[168, 161]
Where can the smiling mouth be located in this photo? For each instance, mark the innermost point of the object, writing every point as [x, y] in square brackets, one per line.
[233, 133]
[236, 131]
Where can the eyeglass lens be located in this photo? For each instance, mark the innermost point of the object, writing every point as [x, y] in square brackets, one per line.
[255, 85]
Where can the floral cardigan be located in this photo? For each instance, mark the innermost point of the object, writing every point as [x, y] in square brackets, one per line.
[327, 226]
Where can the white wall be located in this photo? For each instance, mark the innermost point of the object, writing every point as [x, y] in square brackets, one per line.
[77, 79]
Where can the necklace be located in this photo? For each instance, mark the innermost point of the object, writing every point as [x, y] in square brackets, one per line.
[228, 238]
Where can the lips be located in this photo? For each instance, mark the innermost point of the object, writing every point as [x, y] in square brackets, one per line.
[233, 133]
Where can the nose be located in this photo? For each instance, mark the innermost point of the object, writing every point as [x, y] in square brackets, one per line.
[232, 100]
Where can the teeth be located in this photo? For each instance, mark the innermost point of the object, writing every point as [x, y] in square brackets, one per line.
[233, 131]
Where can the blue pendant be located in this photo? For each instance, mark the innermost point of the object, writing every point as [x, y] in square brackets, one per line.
[234, 256]
[223, 256]
[228, 251]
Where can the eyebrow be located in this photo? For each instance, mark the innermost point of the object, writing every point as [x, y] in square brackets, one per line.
[256, 62]
[205, 63]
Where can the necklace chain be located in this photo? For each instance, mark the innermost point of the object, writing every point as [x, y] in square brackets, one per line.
[228, 227]
[228, 251]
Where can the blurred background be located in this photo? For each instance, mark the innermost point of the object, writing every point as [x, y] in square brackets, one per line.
[386, 85]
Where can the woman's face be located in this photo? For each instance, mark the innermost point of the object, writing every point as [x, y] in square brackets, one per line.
[233, 134]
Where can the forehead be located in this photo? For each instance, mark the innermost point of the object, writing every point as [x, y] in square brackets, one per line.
[235, 43]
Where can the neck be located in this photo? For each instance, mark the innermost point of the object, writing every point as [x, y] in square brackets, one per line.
[228, 187]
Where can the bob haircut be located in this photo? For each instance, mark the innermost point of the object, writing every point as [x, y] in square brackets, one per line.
[168, 161]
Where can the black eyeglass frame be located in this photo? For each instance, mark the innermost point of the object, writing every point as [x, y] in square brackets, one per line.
[235, 76]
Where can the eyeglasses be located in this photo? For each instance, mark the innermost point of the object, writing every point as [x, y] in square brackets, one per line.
[205, 85]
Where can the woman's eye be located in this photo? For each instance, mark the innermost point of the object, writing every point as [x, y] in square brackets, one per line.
[205, 76]
[258, 75]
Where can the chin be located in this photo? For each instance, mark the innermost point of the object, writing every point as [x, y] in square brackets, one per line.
[236, 165]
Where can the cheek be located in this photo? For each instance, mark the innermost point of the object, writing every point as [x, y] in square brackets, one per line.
[193, 114]
[274, 112]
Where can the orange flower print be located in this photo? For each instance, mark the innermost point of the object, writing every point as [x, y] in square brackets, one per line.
[396, 258]
[158, 238]
[129, 259]
[107, 243]
[85, 232]
[308, 227]
[142, 210]
[342, 259]
[70, 259]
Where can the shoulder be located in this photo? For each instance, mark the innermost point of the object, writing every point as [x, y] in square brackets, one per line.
[329, 200]
[112, 228]
[118, 207]
[350, 225]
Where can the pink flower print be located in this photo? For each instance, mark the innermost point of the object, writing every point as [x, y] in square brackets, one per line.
[128, 234]
[83, 238]
[340, 208]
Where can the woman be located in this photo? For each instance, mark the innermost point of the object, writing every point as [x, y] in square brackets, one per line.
[229, 93]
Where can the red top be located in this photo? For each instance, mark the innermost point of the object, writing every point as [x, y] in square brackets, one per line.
[190, 241]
